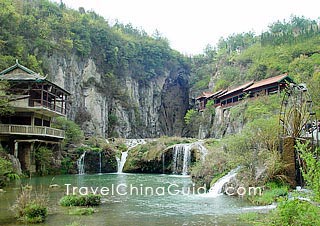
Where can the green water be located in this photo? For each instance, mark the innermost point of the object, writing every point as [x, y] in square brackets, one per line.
[179, 205]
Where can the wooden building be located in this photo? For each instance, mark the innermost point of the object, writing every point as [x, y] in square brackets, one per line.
[228, 98]
[232, 96]
[269, 86]
[36, 102]
[202, 100]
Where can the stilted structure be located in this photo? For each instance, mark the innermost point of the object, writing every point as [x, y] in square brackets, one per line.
[35, 101]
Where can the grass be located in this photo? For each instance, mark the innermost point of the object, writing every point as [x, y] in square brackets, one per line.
[273, 193]
[81, 211]
[30, 208]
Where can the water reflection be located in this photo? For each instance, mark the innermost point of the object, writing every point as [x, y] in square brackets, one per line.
[144, 208]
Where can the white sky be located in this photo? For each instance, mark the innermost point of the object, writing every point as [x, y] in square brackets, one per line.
[190, 25]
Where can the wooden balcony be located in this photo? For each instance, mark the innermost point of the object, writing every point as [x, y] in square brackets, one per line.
[43, 107]
[31, 130]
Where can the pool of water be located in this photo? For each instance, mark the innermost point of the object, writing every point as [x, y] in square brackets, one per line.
[130, 199]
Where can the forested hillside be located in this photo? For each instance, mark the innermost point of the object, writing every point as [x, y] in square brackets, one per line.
[130, 84]
[291, 47]
[119, 76]
[31, 28]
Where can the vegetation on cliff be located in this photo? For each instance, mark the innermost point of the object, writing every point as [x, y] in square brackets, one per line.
[287, 47]
[148, 158]
[32, 29]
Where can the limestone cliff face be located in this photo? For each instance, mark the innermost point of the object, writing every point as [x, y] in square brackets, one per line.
[220, 125]
[121, 105]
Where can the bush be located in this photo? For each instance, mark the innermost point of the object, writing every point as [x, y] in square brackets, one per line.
[81, 200]
[288, 213]
[311, 171]
[5, 170]
[73, 133]
[296, 212]
[43, 156]
[35, 213]
[30, 209]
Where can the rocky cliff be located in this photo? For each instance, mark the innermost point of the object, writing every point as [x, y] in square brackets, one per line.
[120, 105]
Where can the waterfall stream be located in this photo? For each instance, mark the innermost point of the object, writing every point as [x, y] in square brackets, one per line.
[216, 189]
[80, 163]
[16, 164]
[100, 162]
[182, 156]
[131, 143]
[122, 161]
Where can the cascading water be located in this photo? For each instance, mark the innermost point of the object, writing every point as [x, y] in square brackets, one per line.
[216, 189]
[131, 143]
[15, 163]
[80, 163]
[100, 162]
[122, 161]
[181, 158]
[163, 159]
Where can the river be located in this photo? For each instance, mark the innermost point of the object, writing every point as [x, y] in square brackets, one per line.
[131, 199]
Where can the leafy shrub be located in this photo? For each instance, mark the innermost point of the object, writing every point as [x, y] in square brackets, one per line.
[43, 157]
[296, 212]
[5, 171]
[73, 133]
[35, 213]
[80, 200]
[311, 172]
[30, 209]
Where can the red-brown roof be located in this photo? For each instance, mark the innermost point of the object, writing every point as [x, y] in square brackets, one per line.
[239, 88]
[204, 95]
[219, 92]
[267, 81]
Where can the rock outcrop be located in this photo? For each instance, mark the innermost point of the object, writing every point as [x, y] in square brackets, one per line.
[120, 105]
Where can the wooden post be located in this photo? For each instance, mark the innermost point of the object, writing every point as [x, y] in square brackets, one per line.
[48, 98]
[42, 94]
[289, 160]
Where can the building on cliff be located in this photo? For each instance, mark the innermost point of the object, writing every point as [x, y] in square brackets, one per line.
[36, 102]
[229, 97]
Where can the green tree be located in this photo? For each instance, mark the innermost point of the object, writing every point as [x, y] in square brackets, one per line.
[43, 157]
[5, 108]
[73, 132]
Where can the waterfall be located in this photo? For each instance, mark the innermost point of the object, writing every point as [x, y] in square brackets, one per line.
[122, 161]
[216, 189]
[181, 158]
[80, 163]
[130, 143]
[100, 162]
[163, 159]
[16, 164]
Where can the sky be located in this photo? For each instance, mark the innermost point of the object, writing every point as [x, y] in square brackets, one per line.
[190, 25]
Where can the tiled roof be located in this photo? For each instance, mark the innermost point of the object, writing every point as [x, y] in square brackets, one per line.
[267, 81]
[239, 88]
[219, 92]
[19, 72]
[21, 76]
[204, 95]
